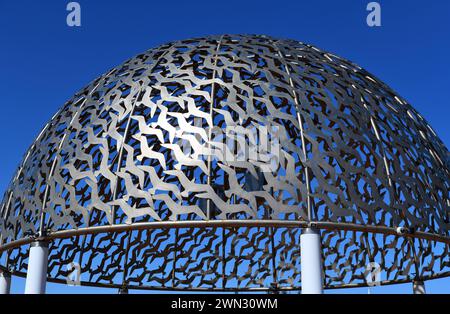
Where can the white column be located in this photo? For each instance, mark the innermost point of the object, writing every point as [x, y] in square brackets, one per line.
[419, 287]
[37, 268]
[5, 282]
[311, 262]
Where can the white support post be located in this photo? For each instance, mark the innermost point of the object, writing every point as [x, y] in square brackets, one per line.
[5, 282]
[419, 287]
[37, 268]
[311, 262]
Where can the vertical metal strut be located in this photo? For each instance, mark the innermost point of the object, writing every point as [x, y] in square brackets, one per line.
[211, 113]
[120, 160]
[300, 123]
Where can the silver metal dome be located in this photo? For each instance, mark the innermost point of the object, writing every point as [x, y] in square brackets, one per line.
[130, 180]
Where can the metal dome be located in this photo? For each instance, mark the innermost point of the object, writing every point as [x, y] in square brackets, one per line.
[111, 184]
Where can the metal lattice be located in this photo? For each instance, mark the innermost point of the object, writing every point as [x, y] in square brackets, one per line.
[107, 183]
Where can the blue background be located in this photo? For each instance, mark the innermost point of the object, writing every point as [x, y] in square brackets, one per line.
[43, 62]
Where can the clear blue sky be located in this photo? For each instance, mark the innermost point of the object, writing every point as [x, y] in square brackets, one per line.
[43, 62]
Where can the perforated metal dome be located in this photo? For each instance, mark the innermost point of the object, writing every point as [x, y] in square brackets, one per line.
[108, 183]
